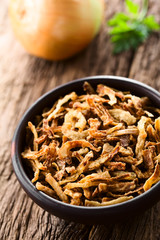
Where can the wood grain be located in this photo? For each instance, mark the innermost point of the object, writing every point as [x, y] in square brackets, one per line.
[23, 78]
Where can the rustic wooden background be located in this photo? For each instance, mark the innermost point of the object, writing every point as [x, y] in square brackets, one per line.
[23, 78]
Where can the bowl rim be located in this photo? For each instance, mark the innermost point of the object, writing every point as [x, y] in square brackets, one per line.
[24, 180]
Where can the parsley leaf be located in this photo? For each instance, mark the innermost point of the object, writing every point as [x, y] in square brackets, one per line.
[132, 8]
[128, 31]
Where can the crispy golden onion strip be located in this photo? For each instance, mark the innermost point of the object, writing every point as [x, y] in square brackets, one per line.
[154, 178]
[35, 134]
[74, 119]
[99, 109]
[112, 202]
[62, 101]
[141, 138]
[104, 90]
[103, 159]
[64, 151]
[122, 115]
[45, 189]
[80, 169]
[54, 184]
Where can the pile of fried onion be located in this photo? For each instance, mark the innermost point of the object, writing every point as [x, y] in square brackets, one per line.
[96, 149]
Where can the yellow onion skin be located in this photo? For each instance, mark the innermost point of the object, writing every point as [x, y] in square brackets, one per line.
[55, 29]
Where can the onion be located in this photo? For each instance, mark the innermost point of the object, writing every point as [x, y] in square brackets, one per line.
[55, 29]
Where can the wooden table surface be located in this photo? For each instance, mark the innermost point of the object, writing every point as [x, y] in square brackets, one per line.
[23, 78]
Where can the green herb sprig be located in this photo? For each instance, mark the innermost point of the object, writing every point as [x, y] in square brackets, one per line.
[129, 30]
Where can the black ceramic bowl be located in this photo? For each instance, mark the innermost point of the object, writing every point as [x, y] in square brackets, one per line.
[90, 215]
